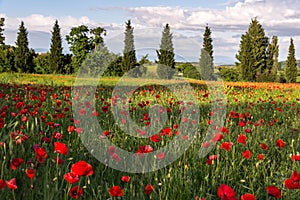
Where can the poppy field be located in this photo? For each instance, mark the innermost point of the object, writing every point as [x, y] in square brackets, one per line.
[255, 154]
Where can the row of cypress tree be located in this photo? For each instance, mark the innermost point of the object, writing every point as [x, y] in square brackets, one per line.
[257, 58]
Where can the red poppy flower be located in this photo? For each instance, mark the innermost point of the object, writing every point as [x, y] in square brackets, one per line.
[2, 184]
[217, 137]
[12, 184]
[248, 130]
[166, 131]
[225, 192]
[160, 155]
[30, 173]
[71, 128]
[148, 149]
[60, 148]
[125, 179]
[205, 144]
[223, 130]
[242, 124]
[76, 192]
[115, 191]
[41, 152]
[260, 156]
[71, 177]
[296, 157]
[155, 138]
[264, 146]
[104, 109]
[242, 139]
[226, 146]
[78, 130]
[175, 126]
[149, 189]
[116, 157]
[280, 143]
[247, 154]
[82, 168]
[82, 112]
[273, 191]
[111, 150]
[291, 184]
[209, 162]
[295, 176]
[15, 163]
[248, 197]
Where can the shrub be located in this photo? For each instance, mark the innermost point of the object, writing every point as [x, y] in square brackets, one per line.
[229, 74]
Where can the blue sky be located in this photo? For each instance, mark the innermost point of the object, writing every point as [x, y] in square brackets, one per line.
[228, 19]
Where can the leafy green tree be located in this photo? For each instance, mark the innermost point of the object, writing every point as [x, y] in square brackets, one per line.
[166, 56]
[79, 45]
[2, 38]
[252, 54]
[115, 67]
[97, 39]
[82, 41]
[41, 64]
[291, 65]
[206, 56]
[189, 71]
[97, 62]
[7, 58]
[129, 58]
[56, 55]
[23, 58]
[6, 51]
[229, 74]
[67, 60]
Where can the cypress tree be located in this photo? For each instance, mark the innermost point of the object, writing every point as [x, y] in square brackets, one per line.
[207, 42]
[291, 65]
[56, 56]
[22, 53]
[252, 54]
[272, 59]
[166, 60]
[244, 58]
[2, 38]
[206, 56]
[129, 60]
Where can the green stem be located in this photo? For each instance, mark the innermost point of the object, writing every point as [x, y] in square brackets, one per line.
[13, 193]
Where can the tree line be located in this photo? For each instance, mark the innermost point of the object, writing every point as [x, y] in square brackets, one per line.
[257, 58]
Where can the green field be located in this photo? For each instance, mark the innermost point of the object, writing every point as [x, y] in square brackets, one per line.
[255, 143]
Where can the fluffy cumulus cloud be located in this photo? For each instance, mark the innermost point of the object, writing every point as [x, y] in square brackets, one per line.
[39, 28]
[278, 17]
[275, 14]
